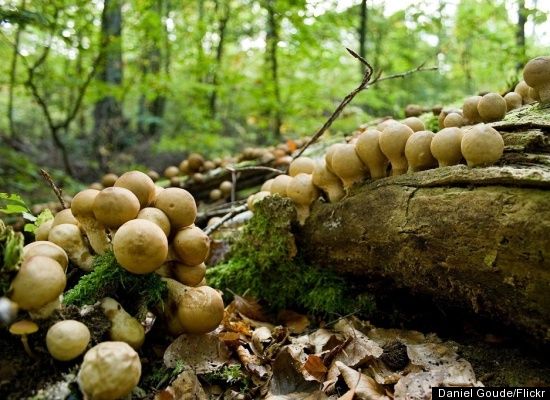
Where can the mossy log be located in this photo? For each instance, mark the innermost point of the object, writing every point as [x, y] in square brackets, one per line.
[474, 238]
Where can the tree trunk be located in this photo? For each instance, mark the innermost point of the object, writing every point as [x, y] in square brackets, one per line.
[363, 34]
[13, 74]
[520, 35]
[109, 121]
[222, 25]
[272, 40]
[474, 238]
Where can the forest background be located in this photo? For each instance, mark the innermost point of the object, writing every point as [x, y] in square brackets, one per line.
[92, 86]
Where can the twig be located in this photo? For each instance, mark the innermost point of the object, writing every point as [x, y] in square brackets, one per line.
[367, 81]
[258, 168]
[58, 192]
[210, 229]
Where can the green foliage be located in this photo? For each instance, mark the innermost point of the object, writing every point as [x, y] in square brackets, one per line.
[264, 264]
[230, 375]
[13, 204]
[11, 250]
[161, 375]
[108, 278]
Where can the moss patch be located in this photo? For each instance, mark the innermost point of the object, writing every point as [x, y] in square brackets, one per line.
[265, 264]
[108, 278]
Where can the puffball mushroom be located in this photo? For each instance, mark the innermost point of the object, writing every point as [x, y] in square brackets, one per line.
[445, 146]
[266, 186]
[47, 249]
[513, 101]
[114, 206]
[328, 155]
[226, 187]
[41, 233]
[139, 184]
[453, 120]
[215, 194]
[279, 184]
[190, 276]
[469, 109]
[302, 192]
[392, 142]
[414, 123]
[83, 210]
[67, 339]
[171, 171]
[179, 205]
[536, 74]
[124, 327]
[253, 199]
[482, 145]
[347, 165]
[492, 107]
[154, 175]
[39, 281]
[191, 245]
[109, 180]
[64, 217]
[327, 182]
[140, 246]
[418, 153]
[368, 150]
[156, 216]
[195, 162]
[69, 238]
[109, 371]
[301, 165]
[384, 124]
[534, 94]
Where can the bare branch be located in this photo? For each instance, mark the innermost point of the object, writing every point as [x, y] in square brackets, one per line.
[58, 192]
[237, 210]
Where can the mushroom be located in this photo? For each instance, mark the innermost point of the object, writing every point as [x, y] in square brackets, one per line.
[198, 177]
[414, 123]
[266, 186]
[469, 110]
[368, 150]
[445, 146]
[83, 211]
[226, 187]
[171, 171]
[492, 107]
[208, 165]
[139, 184]
[513, 101]
[23, 328]
[418, 153]
[46, 310]
[47, 249]
[328, 155]
[156, 216]
[124, 327]
[69, 238]
[41, 233]
[347, 165]
[327, 182]
[195, 161]
[96, 186]
[279, 184]
[199, 309]
[67, 339]
[302, 192]
[453, 120]
[154, 175]
[384, 124]
[175, 181]
[109, 371]
[522, 89]
[301, 165]
[179, 205]
[191, 245]
[109, 180]
[184, 167]
[140, 246]
[190, 276]
[114, 206]
[482, 145]
[215, 194]
[392, 143]
[536, 74]
[253, 199]
[64, 217]
[39, 281]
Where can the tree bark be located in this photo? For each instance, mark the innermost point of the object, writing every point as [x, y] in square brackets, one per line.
[520, 35]
[474, 238]
[108, 117]
[13, 74]
[222, 25]
[363, 34]
[272, 40]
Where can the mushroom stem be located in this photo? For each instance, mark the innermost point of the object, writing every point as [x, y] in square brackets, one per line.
[25, 342]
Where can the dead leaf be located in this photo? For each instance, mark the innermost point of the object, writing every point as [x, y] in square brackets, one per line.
[292, 146]
[324, 340]
[428, 355]
[185, 387]
[201, 353]
[295, 322]
[382, 374]
[260, 337]
[231, 339]
[364, 386]
[359, 348]
[249, 307]
[315, 367]
[251, 362]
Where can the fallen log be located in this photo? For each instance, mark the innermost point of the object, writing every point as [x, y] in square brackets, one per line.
[474, 238]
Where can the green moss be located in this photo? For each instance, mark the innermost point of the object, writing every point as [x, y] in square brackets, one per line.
[11, 249]
[161, 376]
[108, 278]
[431, 121]
[265, 264]
[229, 375]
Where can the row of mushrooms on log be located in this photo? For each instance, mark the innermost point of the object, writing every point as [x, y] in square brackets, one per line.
[150, 230]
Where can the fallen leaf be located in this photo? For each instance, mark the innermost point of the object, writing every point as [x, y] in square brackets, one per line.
[231, 339]
[295, 322]
[185, 387]
[249, 307]
[323, 340]
[364, 386]
[201, 353]
[292, 146]
[260, 337]
[315, 367]
[251, 362]
[429, 355]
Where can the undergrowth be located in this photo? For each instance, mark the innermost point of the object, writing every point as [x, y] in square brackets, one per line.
[108, 278]
[265, 264]
[11, 250]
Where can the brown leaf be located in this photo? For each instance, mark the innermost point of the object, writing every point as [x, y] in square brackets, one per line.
[251, 362]
[364, 386]
[231, 339]
[296, 323]
[314, 365]
[249, 307]
[185, 387]
[201, 353]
